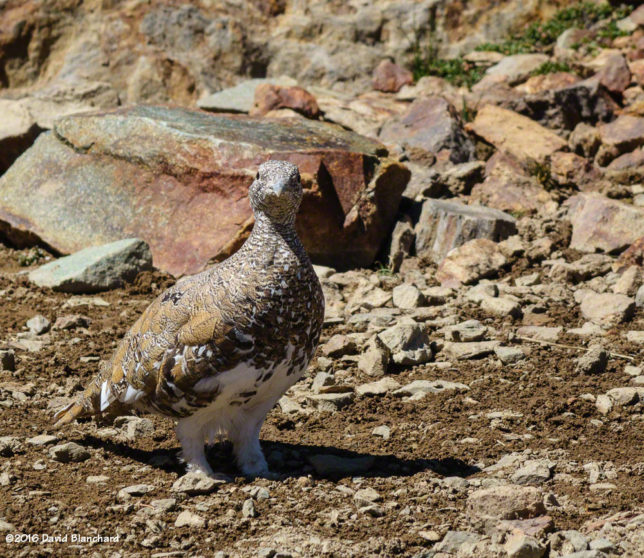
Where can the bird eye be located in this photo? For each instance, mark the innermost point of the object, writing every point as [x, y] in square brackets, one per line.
[257, 176]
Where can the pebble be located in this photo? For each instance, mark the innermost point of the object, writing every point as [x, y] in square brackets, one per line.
[470, 330]
[383, 431]
[594, 361]
[331, 402]
[542, 333]
[501, 306]
[97, 479]
[407, 297]
[505, 502]
[69, 452]
[248, 509]
[133, 490]
[42, 440]
[9, 445]
[38, 324]
[366, 496]
[381, 387]
[194, 483]
[509, 355]
[429, 386]
[533, 472]
[522, 546]
[469, 351]
[188, 519]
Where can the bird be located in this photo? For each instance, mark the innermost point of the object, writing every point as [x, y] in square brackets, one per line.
[217, 350]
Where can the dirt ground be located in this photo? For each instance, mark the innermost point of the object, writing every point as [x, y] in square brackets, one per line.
[444, 435]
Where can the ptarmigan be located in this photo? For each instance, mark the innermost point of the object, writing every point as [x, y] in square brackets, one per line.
[217, 350]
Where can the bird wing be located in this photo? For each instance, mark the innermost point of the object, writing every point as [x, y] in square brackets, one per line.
[192, 332]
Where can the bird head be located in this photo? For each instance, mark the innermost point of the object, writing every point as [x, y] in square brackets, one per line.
[276, 191]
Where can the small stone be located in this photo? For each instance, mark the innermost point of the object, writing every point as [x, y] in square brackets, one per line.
[96, 268]
[604, 404]
[339, 345]
[42, 440]
[381, 387]
[188, 519]
[457, 542]
[69, 452]
[375, 360]
[38, 324]
[163, 505]
[97, 479]
[134, 427]
[390, 77]
[248, 509]
[407, 297]
[71, 321]
[607, 308]
[134, 490]
[533, 472]
[429, 386]
[7, 479]
[408, 343]
[321, 381]
[635, 336]
[501, 306]
[366, 496]
[483, 290]
[6, 526]
[469, 351]
[331, 402]
[639, 297]
[541, 333]
[623, 396]
[594, 361]
[603, 545]
[505, 502]
[470, 330]
[509, 355]
[194, 483]
[474, 260]
[383, 431]
[372, 510]
[522, 546]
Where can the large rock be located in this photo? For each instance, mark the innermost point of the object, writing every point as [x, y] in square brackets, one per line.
[516, 134]
[600, 223]
[505, 502]
[445, 225]
[624, 134]
[95, 269]
[508, 186]
[179, 180]
[18, 130]
[431, 125]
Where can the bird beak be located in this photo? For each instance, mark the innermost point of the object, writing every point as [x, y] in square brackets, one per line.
[279, 187]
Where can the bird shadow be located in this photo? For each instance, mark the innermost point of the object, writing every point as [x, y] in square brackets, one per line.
[295, 460]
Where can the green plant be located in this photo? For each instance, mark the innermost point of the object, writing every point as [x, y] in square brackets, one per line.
[551, 68]
[384, 270]
[540, 35]
[33, 256]
[541, 172]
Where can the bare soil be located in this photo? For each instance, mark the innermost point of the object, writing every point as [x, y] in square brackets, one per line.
[430, 439]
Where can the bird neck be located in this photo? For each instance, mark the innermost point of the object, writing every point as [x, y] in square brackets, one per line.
[267, 232]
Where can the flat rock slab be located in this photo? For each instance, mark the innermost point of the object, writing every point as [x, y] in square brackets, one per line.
[179, 179]
[600, 223]
[95, 269]
[240, 98]
[516, 134]
[445, 225]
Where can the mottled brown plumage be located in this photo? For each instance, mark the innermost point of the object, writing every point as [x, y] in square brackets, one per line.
[218, 349]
